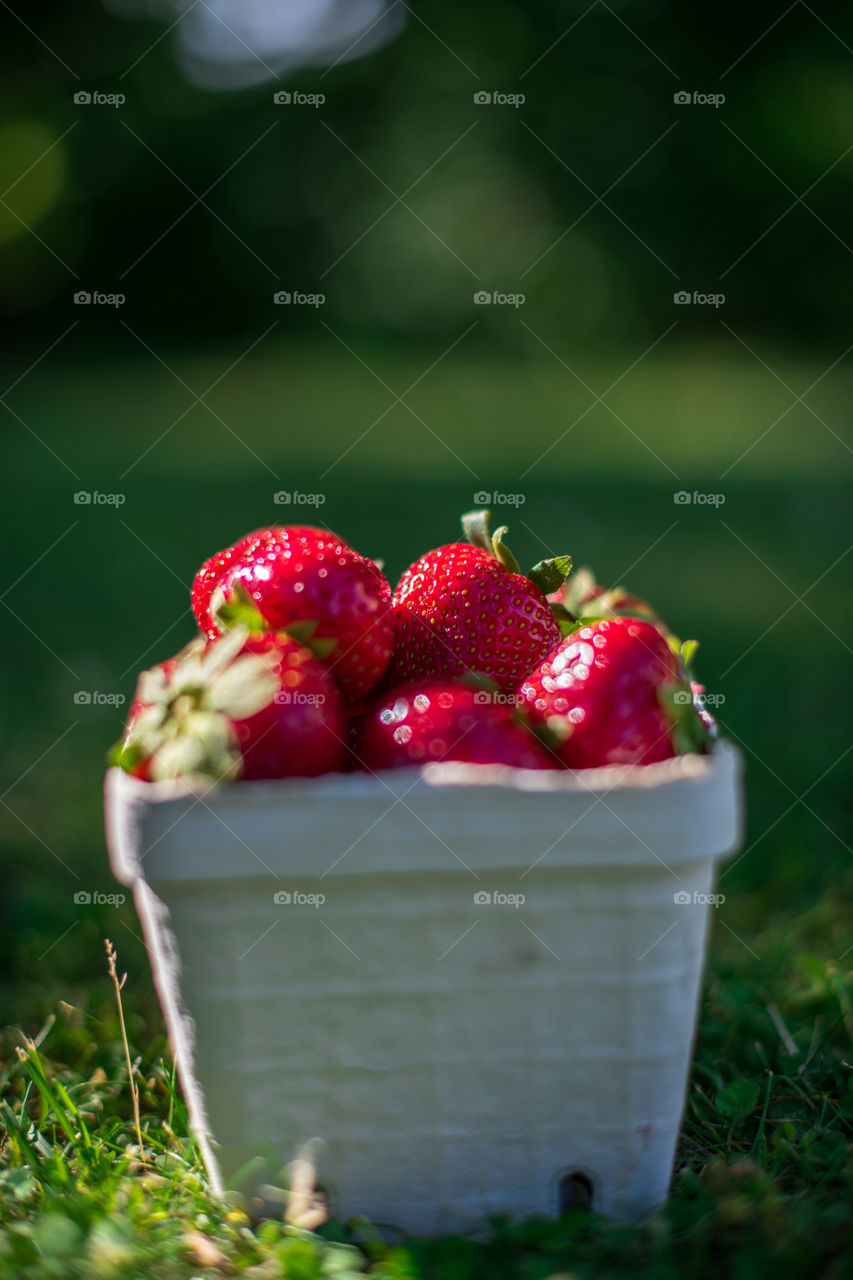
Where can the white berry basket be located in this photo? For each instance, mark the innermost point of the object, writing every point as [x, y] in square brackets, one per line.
[477, 987]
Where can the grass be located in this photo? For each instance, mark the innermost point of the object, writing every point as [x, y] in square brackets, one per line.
[764, 1180]
[763, 1184]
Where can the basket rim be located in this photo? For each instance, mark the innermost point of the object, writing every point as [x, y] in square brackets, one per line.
[678, 770]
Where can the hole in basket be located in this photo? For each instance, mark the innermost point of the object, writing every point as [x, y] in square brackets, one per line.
[575, 1192]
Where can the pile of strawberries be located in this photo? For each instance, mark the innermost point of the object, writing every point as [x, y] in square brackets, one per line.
[307, 663]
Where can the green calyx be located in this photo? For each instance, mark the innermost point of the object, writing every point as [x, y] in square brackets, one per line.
[583, 596]
[547, 575]
[186, 729]
[305, 633]
[567, 622]
[238, 609]
[690, 733]
[477, 680]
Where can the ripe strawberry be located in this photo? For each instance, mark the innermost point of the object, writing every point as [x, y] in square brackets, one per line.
[614, 692]
[467, 608]
[213, 570]
[247, 706]
[320, 591]
[440, 719]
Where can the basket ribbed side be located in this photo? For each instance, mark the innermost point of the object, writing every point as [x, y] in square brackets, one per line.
[456, 1058]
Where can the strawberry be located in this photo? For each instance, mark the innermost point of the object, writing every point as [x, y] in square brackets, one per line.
[615, 692]
[427, 720]
[317, 589]
[213, 570]
[247, 706]
[468, 608]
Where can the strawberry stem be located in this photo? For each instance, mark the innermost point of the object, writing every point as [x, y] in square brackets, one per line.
[475, 526]
[547, 575]
[502, 551]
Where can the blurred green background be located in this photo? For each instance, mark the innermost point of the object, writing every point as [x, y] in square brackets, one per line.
[400, 398]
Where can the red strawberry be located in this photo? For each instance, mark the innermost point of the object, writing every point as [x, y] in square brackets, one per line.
[318, 589]
[614, 692]
[247, 706]
[213, 570]
[428, 720]
[469, 608]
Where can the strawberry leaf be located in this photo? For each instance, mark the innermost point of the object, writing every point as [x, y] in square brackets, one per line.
[243, 688]
[688, 653]
[305, 633]
[477, 680]
[689, 733]
[549, 575]
[567, 622]
[187, 730]
[237, 609]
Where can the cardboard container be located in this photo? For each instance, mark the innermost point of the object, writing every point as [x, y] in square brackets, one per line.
[477, 986]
